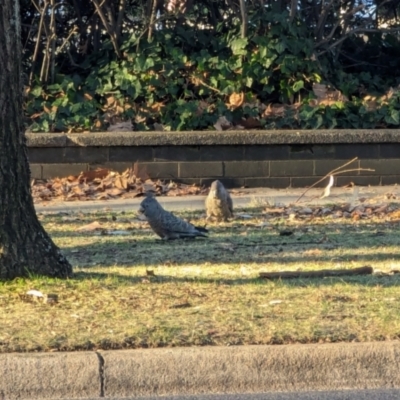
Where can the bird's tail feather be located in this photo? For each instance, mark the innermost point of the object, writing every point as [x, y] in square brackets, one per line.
[201, 229]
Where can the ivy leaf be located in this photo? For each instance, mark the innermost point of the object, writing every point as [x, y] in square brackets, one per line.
[238, 46]
[298, 85]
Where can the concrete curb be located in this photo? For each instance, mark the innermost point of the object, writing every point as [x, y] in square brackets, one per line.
[49, 375]
[201, 370]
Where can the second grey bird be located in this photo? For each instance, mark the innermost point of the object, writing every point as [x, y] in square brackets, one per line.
[167, 225]
[219, 202]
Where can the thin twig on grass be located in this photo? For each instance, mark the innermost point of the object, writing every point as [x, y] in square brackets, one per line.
[335, 172]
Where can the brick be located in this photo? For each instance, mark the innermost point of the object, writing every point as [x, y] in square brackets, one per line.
[246, 168]
[311, 152]
[227, 182]
[85, 154]
[36, 171]
[189, 181]
[131, 153]
[265, 153]
[359, 180]
[349, 151]
[323, 167]
[198, 153]
[62, 170]
[176, 153]
[200, 169]
[291, 168]
[46, 155]
[113, 166]
[390, 150]
[381, 167]
[390, 179]
[306, 181]
[160, 170]
[222, 153]
[281, 183]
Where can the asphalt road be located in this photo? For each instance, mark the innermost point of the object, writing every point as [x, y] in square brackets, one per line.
[381, 394]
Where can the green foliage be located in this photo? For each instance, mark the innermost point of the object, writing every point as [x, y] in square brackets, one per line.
[182, 78]
[355, 114]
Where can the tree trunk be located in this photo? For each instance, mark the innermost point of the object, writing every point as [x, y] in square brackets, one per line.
[25, 247]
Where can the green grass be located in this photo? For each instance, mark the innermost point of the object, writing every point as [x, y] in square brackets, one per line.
[207, 291]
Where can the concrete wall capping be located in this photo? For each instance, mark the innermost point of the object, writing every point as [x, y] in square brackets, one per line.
[209, 138]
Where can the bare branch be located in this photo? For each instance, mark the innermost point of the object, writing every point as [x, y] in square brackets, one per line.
[121, 13]
[244, 18]
[107, 26]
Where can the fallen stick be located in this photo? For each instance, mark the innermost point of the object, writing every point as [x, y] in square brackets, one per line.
[367, 270]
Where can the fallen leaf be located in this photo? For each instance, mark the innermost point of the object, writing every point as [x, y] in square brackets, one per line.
[36, 293]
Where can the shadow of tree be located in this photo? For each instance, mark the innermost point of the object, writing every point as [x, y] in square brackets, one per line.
[365, 280]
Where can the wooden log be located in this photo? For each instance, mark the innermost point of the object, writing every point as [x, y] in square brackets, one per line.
[367, 270]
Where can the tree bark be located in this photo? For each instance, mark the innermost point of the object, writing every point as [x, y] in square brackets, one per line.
[25, 247]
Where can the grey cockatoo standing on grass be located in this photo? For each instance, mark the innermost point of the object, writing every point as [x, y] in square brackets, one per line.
[219, 202]
[165, 224]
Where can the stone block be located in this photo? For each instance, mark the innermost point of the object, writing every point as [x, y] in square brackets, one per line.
[323, 167]
[130, 153]
[227, 182]
[160, 170]
[251, 169]
[200, 169]
[62, 170]
[380, 167]
[389, 150]
[390, 179]
[46, 155]
[361, 150]
[266, 152]
[36, 171]
[85, 155]
[311, 152]
[177, 153]
[276, 183]
[292, 168]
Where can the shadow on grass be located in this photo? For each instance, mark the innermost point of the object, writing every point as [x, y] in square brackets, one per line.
[363, 280]
[107, 251]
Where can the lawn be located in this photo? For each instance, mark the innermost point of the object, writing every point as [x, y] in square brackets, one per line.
[131, 289]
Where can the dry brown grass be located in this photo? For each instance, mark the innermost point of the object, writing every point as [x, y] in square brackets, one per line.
[208, 291]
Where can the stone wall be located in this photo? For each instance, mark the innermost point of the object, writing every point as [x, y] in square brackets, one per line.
[277, 159]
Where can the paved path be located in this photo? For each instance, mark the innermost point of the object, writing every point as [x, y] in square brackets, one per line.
[247, 196]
